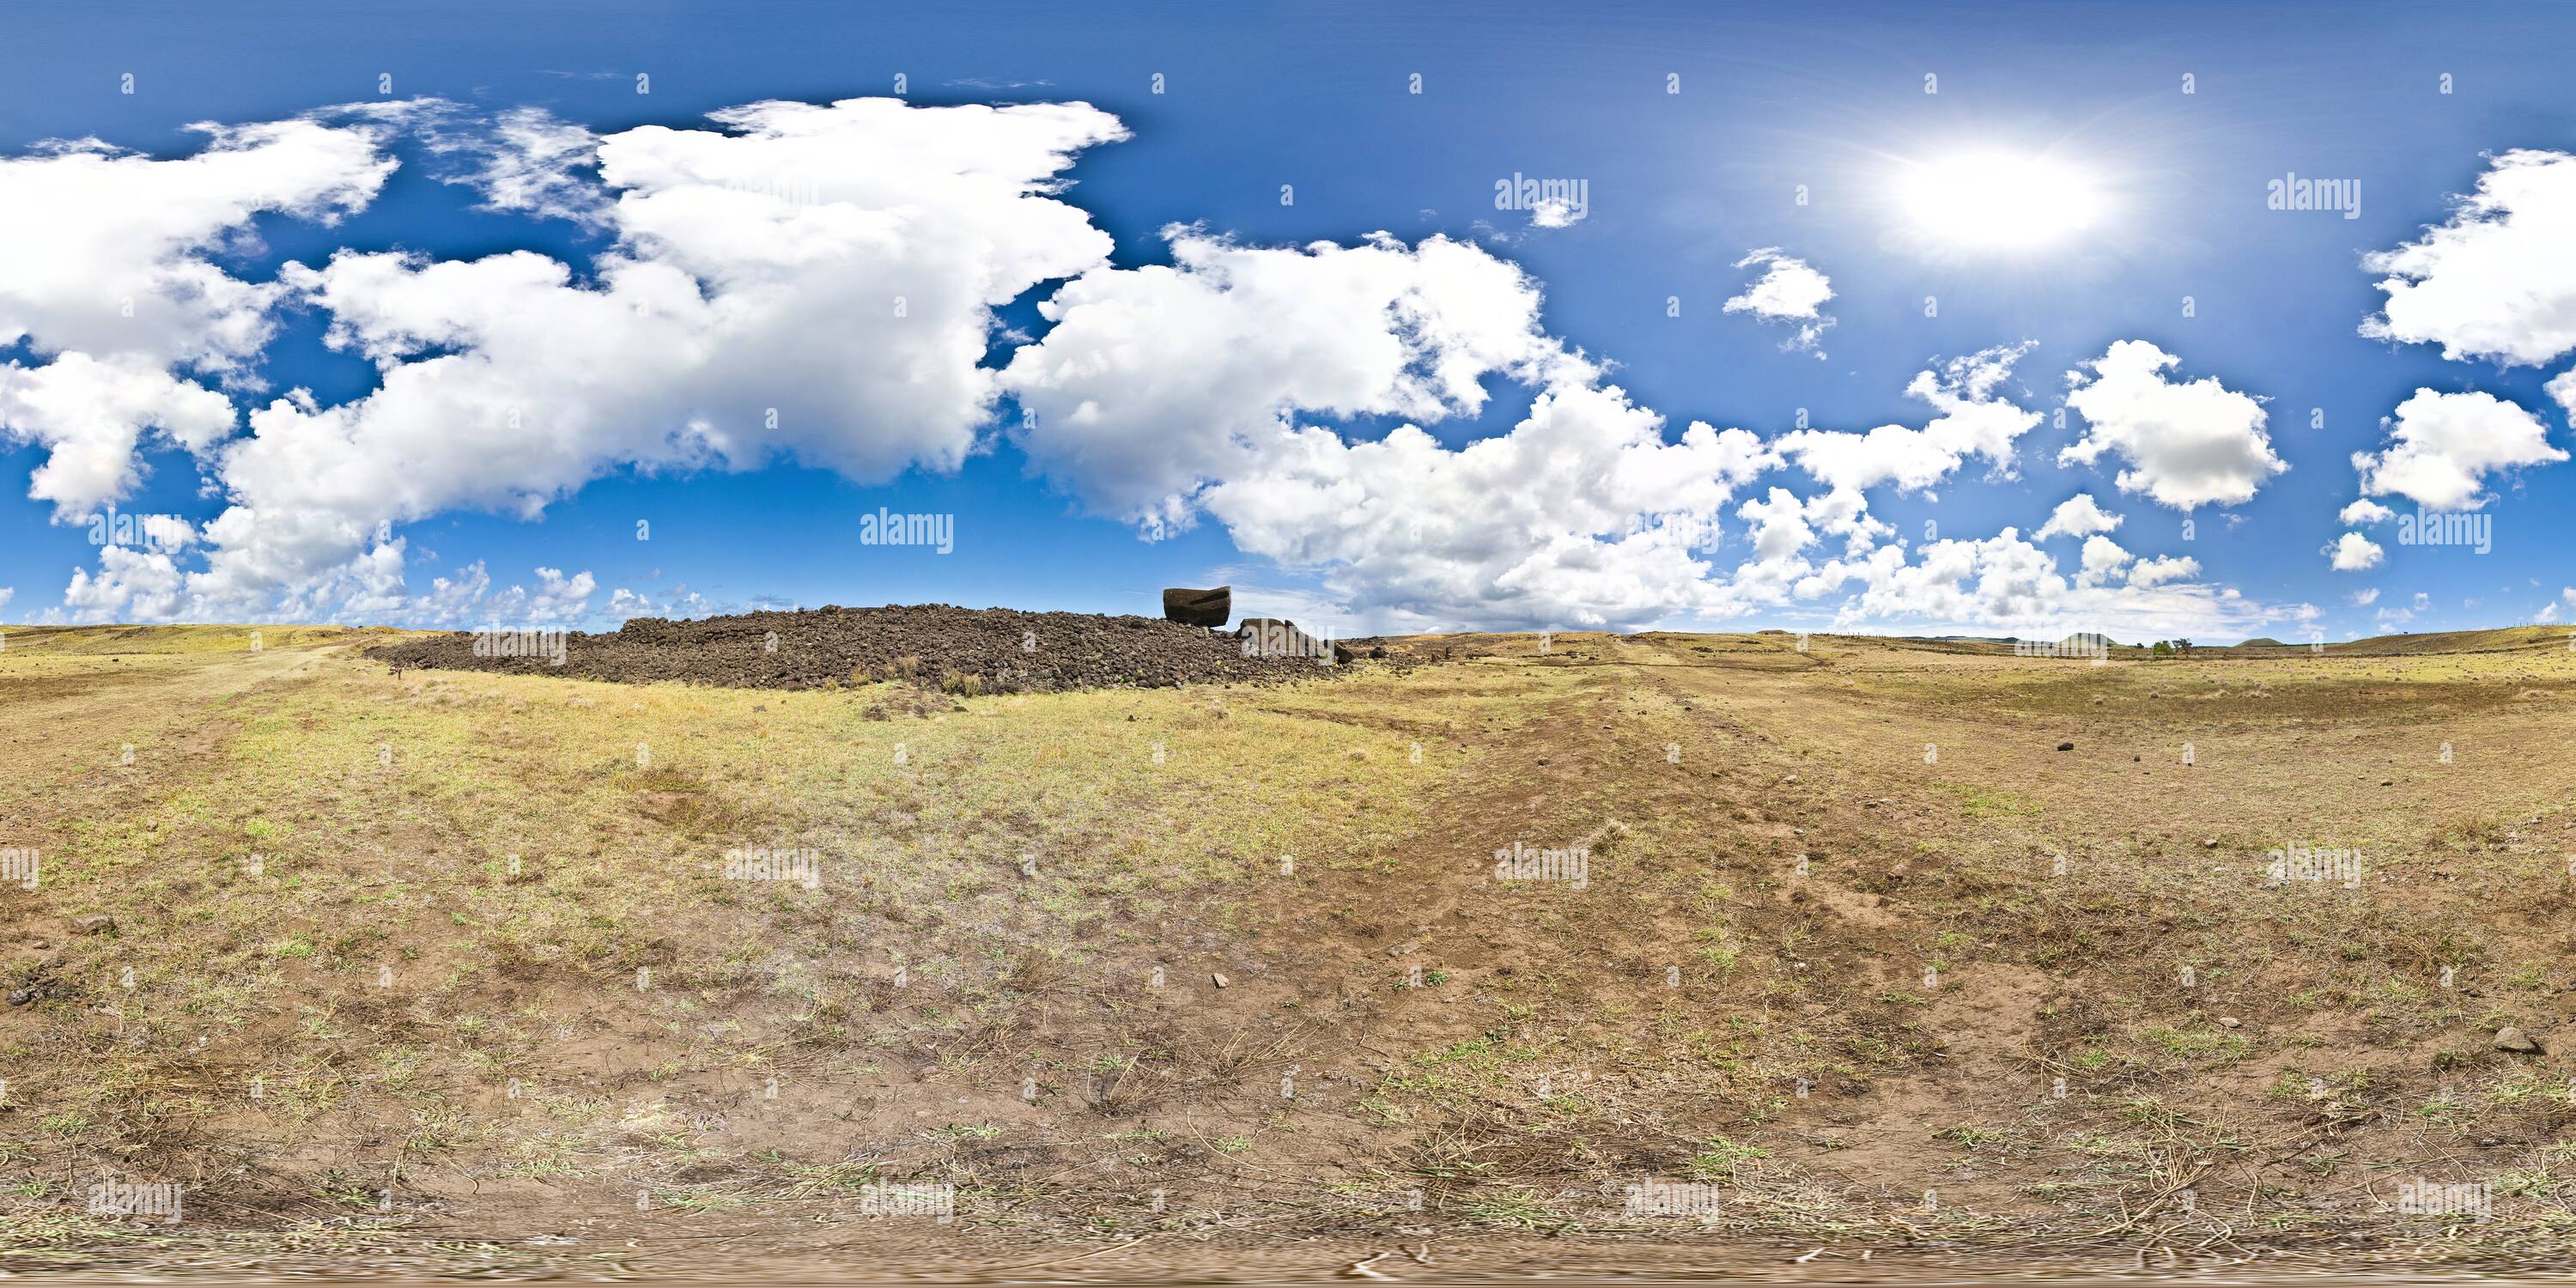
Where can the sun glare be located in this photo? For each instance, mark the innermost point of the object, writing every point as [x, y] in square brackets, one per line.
[1997, 201]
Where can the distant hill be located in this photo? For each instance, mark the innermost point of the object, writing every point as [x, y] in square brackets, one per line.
[2507, 639]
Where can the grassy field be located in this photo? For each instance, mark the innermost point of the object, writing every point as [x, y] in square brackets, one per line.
[1849, 943]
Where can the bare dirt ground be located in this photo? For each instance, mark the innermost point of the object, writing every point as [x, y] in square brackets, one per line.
[1785, 950]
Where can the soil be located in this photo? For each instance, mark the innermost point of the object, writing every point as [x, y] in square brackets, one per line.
[993, 650]
[1836, 980]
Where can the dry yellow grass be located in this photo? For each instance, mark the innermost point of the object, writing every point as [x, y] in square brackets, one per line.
[470, 938]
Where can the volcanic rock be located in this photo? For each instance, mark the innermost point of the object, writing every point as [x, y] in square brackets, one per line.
[1198, 607]
[932, 646]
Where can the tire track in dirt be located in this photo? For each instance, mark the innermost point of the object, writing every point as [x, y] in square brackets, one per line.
[1880, 1132]
[1359, 933]
[166, 712]
[1586, 767]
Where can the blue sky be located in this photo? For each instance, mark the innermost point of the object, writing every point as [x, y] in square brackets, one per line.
[1680, 187]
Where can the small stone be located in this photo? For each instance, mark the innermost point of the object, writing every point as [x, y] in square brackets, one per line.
[2510, 1038]
[2066, 746]
[20, 997]
[1216, 979]
[94, 925]
[2210, 844]
[2229, 1022]
[2388, 782]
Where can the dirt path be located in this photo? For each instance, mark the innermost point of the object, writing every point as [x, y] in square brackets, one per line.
[71, 723]
[1806, 966]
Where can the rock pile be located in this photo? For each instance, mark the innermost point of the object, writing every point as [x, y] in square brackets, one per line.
[994, 650]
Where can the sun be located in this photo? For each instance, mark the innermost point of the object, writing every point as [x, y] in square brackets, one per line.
[1993, 200]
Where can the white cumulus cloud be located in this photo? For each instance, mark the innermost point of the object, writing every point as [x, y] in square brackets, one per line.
[1157, 380]
[2186, 444]
[132, 585]
[1789, 290]
[2079, 515]
[2499, 279]
[1973, 421]
[2354, 552]
[2103, 560]
[1582, 515]
[818, 283]
[2006, 584]
[106, 269]
[812, 282]
[2441, 447]
[527, 161]
[2162, 569]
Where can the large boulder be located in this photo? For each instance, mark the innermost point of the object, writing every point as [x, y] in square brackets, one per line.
[1198, 607]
